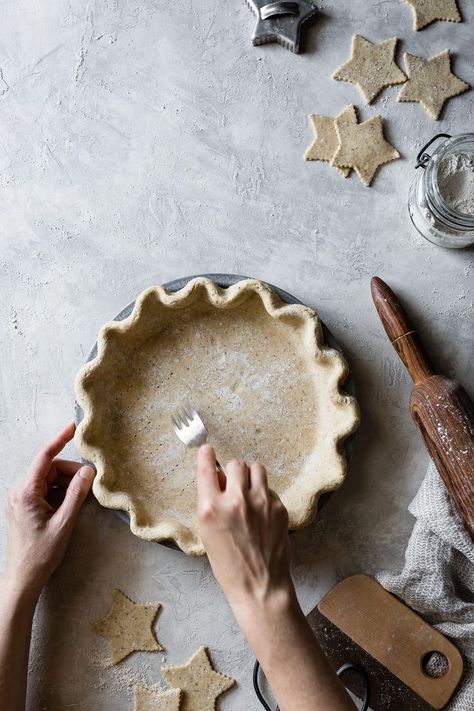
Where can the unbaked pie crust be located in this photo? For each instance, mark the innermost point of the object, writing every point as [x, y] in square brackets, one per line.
[259, 373]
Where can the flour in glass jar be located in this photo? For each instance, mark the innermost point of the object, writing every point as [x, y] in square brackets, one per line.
[456, 181]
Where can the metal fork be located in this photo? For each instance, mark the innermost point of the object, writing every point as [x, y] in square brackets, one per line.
[190, 429]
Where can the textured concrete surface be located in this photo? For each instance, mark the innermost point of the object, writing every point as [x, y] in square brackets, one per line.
[145, 140]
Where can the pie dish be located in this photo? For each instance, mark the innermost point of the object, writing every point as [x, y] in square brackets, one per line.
[258, 371]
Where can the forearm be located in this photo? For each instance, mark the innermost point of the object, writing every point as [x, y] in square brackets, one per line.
[17, 607]
[295, 667]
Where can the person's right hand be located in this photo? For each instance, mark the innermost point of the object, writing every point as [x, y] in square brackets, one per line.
[244, 529]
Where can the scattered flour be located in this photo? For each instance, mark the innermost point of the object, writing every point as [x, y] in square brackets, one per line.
[456, 181]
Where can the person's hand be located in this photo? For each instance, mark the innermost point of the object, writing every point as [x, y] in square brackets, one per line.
[244, 529]
[41, 514]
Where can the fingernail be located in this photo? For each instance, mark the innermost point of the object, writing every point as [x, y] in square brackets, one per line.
[206, 448]
[86, 473]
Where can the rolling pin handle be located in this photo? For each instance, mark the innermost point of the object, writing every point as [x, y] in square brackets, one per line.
[400, 331]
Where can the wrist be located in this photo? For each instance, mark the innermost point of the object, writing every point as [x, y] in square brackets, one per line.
[19, 589]
[272, 627]
[269, 608]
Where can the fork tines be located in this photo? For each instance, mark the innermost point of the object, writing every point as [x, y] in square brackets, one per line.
[183, 416]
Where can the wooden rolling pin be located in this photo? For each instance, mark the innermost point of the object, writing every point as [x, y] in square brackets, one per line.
[440, 407]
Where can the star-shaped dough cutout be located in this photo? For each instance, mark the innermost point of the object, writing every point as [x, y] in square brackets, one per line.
[430, 82]
[199, 682]
[371, 67]
[280, 21]
[148, 700]
[363, 147]
[427, 11]
[326, 140]
[128, 626]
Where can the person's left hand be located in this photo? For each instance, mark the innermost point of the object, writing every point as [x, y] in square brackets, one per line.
[41, 514]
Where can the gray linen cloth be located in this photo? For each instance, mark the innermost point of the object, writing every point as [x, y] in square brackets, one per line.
[438, 577]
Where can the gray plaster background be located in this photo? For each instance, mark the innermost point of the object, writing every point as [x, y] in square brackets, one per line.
[145, 140]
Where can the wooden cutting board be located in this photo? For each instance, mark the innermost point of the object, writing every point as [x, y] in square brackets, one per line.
[359, 622]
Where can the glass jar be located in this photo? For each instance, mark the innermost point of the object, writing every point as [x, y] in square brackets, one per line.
[434, 217]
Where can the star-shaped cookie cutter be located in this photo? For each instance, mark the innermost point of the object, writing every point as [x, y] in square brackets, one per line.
[280, 21]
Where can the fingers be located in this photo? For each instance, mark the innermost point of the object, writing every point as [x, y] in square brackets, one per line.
[62, 469]
[42, 463]
[239, 477]
[258, 477]
[237, 473]
[206, 475]
[76, 493]
[279, 506]
[53, 448]
[61, 481]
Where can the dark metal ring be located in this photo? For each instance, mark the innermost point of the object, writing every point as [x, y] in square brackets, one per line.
[279, 8]
[365, 680]
[342, 670]
[422, 159]
[258, 691]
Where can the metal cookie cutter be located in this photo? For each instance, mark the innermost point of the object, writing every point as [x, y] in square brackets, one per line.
[280, 21]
